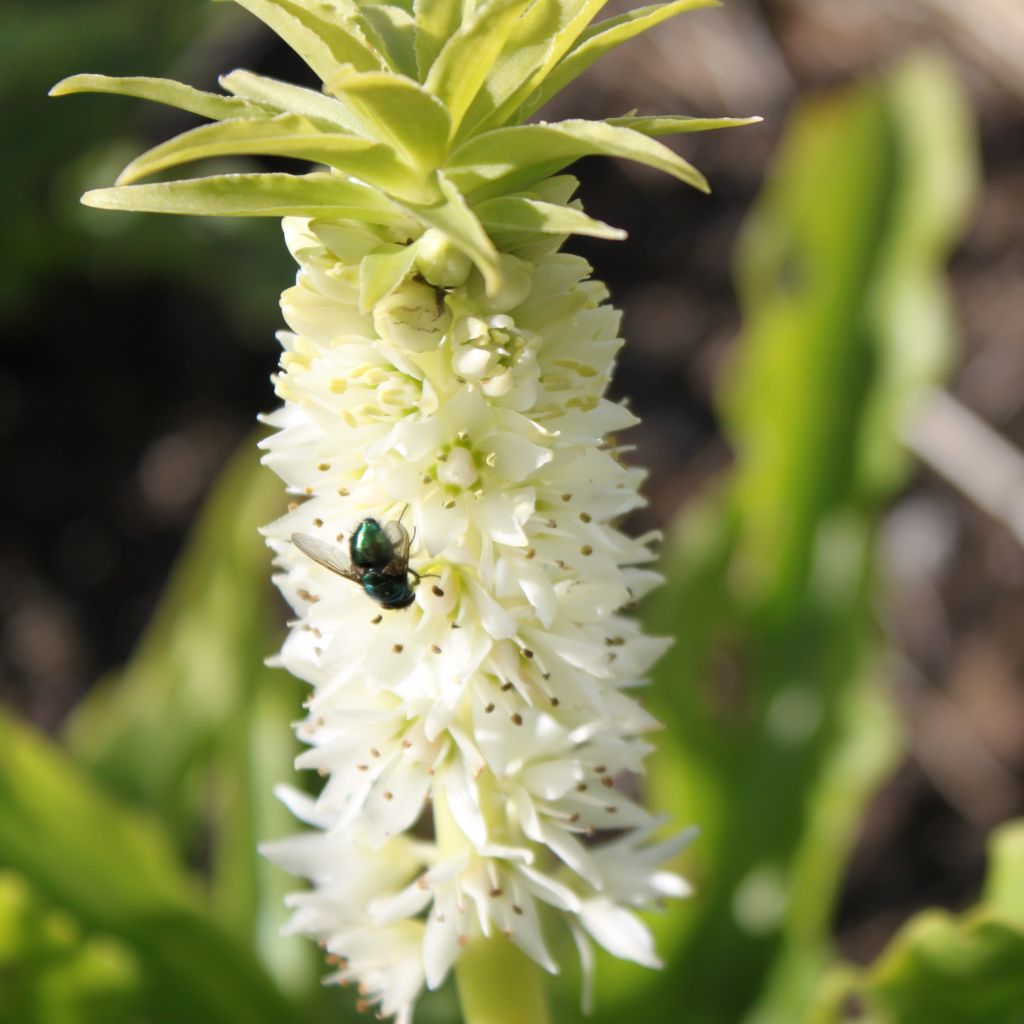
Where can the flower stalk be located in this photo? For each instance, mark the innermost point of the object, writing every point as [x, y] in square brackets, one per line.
[461, 584]
[497, 983]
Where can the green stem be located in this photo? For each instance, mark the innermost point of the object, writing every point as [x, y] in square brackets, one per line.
[499, 984]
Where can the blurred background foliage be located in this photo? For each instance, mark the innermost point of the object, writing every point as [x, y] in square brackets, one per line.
[844, 711]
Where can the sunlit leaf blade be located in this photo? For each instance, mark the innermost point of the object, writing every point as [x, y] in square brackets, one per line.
[595, 42]
[436, 22]
[114, 871]
[672, 124]
[400, 113]
[466, 58]
[520, 213]
[381, 273]
[546, 30]
[161, 90]
[252, 195]
[286, 98]
[324, 42]
[394, 34]
[510, 159]
[287, 135]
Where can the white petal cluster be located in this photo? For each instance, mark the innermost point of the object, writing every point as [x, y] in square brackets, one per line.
[478, 746]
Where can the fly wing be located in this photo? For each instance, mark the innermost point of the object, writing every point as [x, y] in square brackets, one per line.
[400, 541]
[327, 555]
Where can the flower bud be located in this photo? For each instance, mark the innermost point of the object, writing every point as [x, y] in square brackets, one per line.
[413, 317]
[440, 262]
[516, 281]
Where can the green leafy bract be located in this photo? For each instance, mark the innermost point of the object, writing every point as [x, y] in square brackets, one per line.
[324, 42]
[957, 969]
[160, 90]
[285, 98]
[466, 58]
[510, 159]
[415, 90]
[595, 42]
[252, 195]
[399, 112]
[381, 273]
[521, 213]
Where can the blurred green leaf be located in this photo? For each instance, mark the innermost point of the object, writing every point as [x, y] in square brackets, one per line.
[778, 728]
[197, 727]
[943, 968]
[115, 873]
[200, 660]
[50, 972]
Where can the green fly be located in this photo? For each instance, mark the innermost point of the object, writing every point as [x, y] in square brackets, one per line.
[378, 560]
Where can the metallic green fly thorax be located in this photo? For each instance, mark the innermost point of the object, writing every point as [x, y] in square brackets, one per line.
[370, 547]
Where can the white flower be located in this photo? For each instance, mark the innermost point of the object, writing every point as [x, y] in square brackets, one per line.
[443, 385]
[498, 705]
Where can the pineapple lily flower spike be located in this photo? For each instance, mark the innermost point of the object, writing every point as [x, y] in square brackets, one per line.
[445, 428]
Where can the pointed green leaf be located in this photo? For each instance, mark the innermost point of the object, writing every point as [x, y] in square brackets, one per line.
[595, 42]
[520, 213]
[200, 664]
[381, 273]
[394, 34]
[460, 224]
[538, 42]
[436, 23]
[160, 90]
[515, 157]
[678, 124]
[292, 99]
[1004, 883]
[957, 972]
[399, 112]
[467, 57]
[114, 870]
[287, 135]
[320, 34]
[305, 41]
[252, 195]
